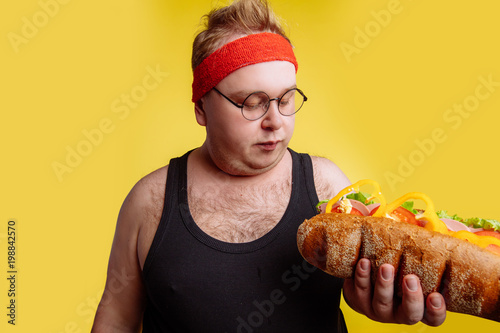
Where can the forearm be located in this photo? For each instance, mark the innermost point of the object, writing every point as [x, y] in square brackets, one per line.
[107, 321]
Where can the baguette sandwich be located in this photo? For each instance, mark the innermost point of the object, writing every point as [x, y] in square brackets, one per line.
[459, 259]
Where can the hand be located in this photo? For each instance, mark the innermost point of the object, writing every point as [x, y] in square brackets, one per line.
[379, 304]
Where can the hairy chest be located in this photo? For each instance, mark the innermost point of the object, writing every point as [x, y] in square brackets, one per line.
[238, 214]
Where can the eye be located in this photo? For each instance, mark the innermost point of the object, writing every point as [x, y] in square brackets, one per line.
[287, 98]
[285, 101]
[255, 101]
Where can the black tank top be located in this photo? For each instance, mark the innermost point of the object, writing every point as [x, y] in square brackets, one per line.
[195, 283]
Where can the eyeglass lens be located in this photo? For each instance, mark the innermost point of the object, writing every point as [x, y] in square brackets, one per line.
[257, 104]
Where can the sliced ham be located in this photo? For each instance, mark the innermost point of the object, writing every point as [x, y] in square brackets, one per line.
[360, 206]
[371, 207]
[453, 225]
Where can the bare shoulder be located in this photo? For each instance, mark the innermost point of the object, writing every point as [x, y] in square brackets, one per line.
[328, 178]
[139, 217]
[123, 300]
[142, 209]
[146, 197]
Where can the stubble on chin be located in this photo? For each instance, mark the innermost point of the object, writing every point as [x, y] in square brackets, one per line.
[246, 166]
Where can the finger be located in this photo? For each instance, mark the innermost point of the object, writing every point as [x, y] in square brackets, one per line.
[358, 291]
[412, 306]
[348, 291]
[435, 312]
[383, 302]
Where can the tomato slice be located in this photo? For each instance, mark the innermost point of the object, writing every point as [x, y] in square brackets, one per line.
[354, 211]
[404, 215]
[490, 233]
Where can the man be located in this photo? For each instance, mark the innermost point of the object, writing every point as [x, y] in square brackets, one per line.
[207, 243]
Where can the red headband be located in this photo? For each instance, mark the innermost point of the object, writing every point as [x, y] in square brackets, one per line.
[248, 50]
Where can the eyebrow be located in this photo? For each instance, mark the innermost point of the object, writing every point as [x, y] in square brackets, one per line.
[242, 94]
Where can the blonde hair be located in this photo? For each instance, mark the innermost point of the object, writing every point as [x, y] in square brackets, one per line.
[242, 17]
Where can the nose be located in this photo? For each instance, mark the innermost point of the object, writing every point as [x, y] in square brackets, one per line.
[277, 99]
[273, 119]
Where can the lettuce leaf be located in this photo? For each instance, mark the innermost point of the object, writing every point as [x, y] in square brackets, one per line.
[486, 224]
[443, 214]
[409, 206]
[475, 222]
[360, 196]
[319, 204]
[490, 224]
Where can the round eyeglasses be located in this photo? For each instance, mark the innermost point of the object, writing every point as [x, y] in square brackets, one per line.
[255, 106]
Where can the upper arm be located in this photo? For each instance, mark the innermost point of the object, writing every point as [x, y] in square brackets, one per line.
[328, 178]
[122, 304]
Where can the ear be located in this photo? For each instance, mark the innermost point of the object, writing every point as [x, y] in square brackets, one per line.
[199, 112]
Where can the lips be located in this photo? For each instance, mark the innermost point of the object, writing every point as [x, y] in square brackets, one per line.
[268, 145]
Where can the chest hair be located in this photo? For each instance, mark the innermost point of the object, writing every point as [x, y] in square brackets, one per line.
[238, 214]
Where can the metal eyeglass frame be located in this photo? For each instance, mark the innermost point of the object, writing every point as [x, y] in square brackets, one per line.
[241, 106]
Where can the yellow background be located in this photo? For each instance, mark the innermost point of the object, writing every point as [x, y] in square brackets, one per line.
[366, 111]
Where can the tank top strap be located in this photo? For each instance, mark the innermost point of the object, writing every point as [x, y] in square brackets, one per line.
[177, 169]
[306, 167]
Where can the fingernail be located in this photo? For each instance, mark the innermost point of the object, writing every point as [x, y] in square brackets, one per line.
[364, 265]
[387, 272]
[411, 283]
[435, 301]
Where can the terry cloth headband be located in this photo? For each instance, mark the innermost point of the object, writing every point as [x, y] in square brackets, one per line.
[248, 50]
